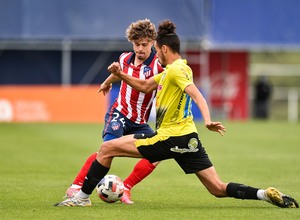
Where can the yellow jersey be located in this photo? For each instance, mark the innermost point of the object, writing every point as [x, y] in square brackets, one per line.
[173, 106]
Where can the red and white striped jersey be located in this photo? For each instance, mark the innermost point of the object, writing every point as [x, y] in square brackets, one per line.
[133, 104]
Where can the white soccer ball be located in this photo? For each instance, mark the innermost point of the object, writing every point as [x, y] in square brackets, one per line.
[110, 189]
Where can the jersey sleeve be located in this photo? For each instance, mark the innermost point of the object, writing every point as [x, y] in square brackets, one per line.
[123, 59]
[181, 76]
[157, 77]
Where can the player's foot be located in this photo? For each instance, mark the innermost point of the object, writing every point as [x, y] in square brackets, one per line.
[75, 201]
[126, 197]
[72, 190]
[277, 198]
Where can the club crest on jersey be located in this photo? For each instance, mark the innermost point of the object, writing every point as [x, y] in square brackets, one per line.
[147, 71]
[115, 126]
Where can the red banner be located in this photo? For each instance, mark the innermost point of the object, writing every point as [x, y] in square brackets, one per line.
[229, 83]
[227, 86]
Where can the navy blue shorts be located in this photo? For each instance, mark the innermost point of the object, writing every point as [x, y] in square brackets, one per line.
[118, 125]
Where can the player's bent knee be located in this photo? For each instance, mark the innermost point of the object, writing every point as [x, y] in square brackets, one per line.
[104, 148]
[110, 149]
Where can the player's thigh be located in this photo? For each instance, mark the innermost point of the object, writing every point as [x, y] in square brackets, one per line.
[123, 146]
[114, 123]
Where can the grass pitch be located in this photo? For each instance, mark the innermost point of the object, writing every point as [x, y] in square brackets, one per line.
[39, 161]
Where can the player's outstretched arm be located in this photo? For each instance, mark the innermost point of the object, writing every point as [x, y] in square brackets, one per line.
[106, 86]
[198, 98]
[141, 85]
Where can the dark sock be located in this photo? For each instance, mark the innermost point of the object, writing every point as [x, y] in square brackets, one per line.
[240, 191]
[95, 174]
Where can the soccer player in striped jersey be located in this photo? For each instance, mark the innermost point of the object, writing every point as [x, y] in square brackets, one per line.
[130, 111]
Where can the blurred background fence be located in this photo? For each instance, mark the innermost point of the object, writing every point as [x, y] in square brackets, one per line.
[69, 44]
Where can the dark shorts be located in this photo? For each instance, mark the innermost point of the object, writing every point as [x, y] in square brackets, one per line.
[186, 150]
[118, 125]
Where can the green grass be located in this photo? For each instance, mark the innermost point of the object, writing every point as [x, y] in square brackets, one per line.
[39, 161]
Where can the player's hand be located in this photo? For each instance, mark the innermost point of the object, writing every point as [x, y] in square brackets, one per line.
[115, 68]
[104, 88]
[216, 126]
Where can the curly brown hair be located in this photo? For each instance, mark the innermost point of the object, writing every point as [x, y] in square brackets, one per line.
[141, 29]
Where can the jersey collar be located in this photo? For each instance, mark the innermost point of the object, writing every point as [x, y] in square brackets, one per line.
[146, 62]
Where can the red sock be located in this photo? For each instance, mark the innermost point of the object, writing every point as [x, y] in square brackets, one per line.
[142, 169]
[79, 179]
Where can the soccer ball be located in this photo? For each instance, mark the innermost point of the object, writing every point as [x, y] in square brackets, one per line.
[110, 189]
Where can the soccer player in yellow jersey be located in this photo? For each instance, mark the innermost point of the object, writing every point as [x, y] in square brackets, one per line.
[176, 135]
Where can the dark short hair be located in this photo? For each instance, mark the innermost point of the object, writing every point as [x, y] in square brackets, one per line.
[166, 35]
